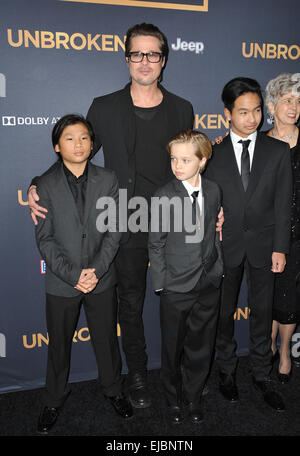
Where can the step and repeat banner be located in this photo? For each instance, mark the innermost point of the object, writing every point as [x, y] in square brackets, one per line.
[56, 56]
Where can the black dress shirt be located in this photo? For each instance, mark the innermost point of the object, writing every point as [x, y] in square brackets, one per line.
[78, 187]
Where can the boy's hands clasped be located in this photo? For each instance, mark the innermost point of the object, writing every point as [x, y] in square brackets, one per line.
[87, 280]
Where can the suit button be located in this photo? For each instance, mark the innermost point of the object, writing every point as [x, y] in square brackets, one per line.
[83, 236]
[130, 181]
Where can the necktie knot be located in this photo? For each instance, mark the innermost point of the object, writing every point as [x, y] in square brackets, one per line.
[195, 195]
[245, 143]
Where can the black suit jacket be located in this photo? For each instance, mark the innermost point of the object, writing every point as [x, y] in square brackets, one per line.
[113, 120]
[66, 244]
[175, 264]
[257, 222]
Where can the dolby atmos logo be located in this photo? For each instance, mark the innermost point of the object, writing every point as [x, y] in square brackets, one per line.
[18, 121]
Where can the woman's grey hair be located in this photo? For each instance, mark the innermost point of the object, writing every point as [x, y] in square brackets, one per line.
[281, 85]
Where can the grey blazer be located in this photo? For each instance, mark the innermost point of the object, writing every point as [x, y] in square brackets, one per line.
[176, 264]
[66, 244]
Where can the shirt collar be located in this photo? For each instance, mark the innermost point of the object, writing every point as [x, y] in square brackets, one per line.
[236, 138]
[190, 189]
[72, 178]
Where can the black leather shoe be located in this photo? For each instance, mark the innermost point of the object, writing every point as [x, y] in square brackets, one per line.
[284, 378]
[138, 391]
[228, 388]
[121, 405]
[47, 419]
[271, 397]
[175, 414]
[195, 415]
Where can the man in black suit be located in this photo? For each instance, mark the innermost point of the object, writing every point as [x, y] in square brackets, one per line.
[254, 174]
[79, 253]
[134, 125]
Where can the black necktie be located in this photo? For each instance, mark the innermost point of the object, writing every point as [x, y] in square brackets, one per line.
[195, 204]
[245, 163]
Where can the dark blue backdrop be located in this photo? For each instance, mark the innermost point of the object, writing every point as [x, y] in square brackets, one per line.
[56, 56]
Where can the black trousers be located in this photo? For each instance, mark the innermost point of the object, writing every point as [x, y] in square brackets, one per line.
[62, 316]
[188, 330]
[260, 301]
[132, 265]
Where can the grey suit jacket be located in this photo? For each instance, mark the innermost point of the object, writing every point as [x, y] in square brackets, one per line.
[66, 244]
[176, 264]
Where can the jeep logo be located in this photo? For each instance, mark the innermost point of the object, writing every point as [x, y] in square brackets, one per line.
[192, 46]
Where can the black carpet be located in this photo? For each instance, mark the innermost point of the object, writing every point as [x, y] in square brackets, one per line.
[87, 413]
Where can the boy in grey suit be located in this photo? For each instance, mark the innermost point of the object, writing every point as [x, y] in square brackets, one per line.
[79, 258]
[186, 268]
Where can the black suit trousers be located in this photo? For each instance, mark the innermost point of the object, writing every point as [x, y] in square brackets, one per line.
[260, 283]
[62, 315]
[188, 329]
[132, 266]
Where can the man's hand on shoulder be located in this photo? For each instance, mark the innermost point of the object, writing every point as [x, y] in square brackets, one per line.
[220, 222]
[35, 209]
[219, 139]
[278, 262]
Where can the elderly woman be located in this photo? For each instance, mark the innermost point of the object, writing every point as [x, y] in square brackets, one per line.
[282, 99]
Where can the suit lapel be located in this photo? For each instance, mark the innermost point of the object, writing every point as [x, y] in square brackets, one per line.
[167, 109]
[128, 123]
[231, 165]
[93, 186]
[181, 192]
[207, 197]
[180, 188]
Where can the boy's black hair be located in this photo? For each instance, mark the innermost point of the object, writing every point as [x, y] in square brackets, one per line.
[237, 87]
[65, 121]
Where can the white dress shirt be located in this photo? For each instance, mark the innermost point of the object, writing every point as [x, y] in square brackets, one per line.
[190, 189]
[238, 148]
